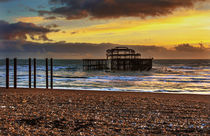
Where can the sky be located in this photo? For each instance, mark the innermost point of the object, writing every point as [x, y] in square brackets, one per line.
[76, 29]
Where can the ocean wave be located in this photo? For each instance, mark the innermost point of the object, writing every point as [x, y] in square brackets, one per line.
[166, 76]
[185, 67]
[69, 77]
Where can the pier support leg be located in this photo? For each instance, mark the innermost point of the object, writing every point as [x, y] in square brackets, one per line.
[7, 73]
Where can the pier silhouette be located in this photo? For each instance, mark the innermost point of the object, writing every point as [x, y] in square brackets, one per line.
[120, 59]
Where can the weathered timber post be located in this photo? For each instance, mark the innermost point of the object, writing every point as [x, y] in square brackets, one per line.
[15, 73]
[46, 73]
[51, 75]
[7, 73]
[34, 73]
[29, 72]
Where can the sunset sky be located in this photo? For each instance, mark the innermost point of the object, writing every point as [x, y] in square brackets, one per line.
[85, 28]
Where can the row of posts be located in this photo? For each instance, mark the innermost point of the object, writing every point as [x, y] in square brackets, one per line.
[29, 71]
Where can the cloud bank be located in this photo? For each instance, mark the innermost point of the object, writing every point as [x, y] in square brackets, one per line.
[76, 9]
[62, 50]
[5, 0]
[20, 31]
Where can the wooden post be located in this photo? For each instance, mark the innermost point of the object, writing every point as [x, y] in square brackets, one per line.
[34, 73]
[7, 73]
[15, 73]
[51, 75]
[46, 73]
[29, 72]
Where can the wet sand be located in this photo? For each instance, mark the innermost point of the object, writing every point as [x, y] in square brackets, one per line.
[69, 112]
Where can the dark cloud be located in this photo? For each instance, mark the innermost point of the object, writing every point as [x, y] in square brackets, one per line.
[23, 49]
[75, 9]
[20, 31]
[5, 0]
[189, 48]
[51, 26]
[50, 18]
[72, 33]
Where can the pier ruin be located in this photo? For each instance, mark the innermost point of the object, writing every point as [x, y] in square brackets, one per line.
[119, 59]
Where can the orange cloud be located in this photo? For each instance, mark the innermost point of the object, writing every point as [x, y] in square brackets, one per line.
[36, 19]
[183, 27]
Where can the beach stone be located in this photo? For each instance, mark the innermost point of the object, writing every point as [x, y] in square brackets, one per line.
[59, 112]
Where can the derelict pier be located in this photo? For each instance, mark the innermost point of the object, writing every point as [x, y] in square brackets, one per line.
[119, 59]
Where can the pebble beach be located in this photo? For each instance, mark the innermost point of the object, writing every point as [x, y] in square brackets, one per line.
[72, 112]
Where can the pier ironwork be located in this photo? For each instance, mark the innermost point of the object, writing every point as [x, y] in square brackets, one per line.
[121, 59]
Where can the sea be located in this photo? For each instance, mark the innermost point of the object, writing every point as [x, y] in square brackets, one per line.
[166, 76]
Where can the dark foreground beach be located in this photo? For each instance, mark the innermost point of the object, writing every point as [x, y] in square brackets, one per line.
[68, 112]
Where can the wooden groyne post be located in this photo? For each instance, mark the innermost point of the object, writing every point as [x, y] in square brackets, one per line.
[15, 73]
[29, 72]
[51, 74]
[7, 73]
[34, 73]
[46, 73]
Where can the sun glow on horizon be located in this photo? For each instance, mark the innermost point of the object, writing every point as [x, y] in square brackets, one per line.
[190, 26]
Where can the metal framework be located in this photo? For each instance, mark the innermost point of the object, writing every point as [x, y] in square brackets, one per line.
[122, 53]
[121, 59]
